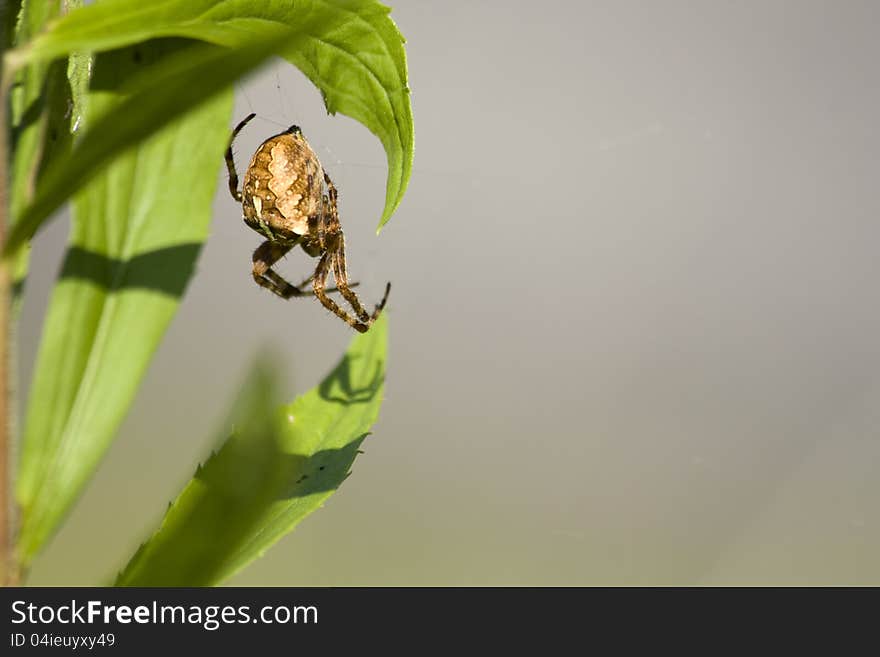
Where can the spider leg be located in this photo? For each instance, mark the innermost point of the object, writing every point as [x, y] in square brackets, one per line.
[328, 220]
[331, 190]
[230, 161]
[341, 275]
[323, 223]
[337, 249]
[266, 255]
[318, 282]
[308, 280]
[381, 305]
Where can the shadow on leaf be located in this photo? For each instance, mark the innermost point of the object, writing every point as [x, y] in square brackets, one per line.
[165, 270]
[338, 387]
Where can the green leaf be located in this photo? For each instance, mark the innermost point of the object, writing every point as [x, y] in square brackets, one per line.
[350, 49]
[136, 233]
[41, 114]
[40, 130]
[279, 465]
[360, 66]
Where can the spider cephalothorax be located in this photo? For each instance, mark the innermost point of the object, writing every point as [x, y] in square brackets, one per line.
[284, 199]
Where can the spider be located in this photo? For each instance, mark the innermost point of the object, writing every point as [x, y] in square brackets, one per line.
[283, 198]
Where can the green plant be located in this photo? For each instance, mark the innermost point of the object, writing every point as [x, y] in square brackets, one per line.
[107, 105]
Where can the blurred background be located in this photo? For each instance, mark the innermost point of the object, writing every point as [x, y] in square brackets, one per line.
[634, 321]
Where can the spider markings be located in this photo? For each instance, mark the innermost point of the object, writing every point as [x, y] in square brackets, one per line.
[283, 199]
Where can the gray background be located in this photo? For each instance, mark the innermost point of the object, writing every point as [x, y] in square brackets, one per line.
[634, 316]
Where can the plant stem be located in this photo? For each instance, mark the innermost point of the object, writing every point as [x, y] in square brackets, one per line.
[8, 566]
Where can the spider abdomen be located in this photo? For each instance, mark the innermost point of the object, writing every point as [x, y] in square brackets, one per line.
[283, 187]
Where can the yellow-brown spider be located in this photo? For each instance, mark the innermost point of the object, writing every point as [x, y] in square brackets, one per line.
[283, 198]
